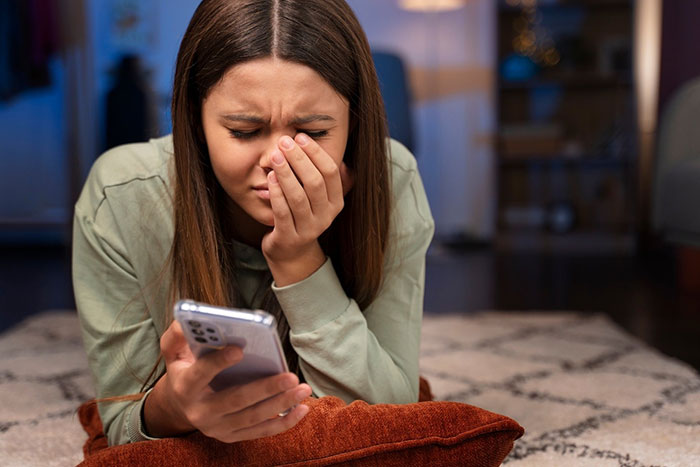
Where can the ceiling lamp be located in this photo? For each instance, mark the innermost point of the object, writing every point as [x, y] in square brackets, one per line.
[431, 5]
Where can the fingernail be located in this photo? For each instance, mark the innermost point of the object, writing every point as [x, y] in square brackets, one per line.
[287, 142]
[277, 158]
[287, 383]
[271, 177]
[302, 139]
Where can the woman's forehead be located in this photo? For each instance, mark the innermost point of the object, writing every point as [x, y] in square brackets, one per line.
[270, 86]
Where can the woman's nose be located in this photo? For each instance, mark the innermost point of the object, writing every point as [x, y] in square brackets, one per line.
[271, 148]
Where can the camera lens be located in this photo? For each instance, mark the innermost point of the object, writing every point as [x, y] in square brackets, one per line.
[201, 339]
[213, 338]
[210, 331]
[197, 332]
[194, 324]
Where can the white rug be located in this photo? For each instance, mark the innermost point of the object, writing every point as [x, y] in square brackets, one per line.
[585, 391]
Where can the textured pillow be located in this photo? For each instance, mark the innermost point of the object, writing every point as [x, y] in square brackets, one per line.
[426, 433]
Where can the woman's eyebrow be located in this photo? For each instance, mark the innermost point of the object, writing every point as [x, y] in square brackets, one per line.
[244, 118]
[311, 118]
[247, 118]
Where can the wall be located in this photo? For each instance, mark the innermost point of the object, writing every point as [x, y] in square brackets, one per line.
[451, 57]
[34, 187]
[680, 57]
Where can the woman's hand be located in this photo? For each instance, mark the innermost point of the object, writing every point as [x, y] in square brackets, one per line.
[307, 189]
[182, 400]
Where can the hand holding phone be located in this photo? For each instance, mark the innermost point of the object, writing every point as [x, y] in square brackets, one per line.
[185, 399]
[208, 328]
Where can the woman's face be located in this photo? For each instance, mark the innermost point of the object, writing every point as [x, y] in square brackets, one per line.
[245, 114]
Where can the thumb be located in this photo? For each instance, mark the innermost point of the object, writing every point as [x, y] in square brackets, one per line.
[173, 345]
[347, 178]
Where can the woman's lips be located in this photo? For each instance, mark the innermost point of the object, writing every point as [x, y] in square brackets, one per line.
[262, 191]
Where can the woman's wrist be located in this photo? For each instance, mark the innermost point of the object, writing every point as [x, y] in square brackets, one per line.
[160, 418]
[292, 270]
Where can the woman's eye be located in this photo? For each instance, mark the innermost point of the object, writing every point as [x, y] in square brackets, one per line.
[315, 134]
[240, 134]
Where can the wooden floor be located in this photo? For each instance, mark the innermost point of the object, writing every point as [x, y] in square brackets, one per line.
[639, 294]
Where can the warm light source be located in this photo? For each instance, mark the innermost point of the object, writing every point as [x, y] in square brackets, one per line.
[431, 5]
[647, 63]
[647, 52]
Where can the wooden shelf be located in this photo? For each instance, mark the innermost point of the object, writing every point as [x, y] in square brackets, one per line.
[573, 81]
[576, 242]
[504, 8]
[563, 132]
[563, 161]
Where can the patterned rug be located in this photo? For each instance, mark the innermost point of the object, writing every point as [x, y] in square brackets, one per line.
[586, 392]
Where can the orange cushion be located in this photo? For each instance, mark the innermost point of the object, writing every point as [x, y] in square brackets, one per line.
[425, 433]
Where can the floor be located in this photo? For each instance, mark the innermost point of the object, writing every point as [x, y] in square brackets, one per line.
[639, 294]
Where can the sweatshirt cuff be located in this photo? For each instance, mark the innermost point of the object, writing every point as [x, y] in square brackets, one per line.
[134, 421]
[313, 302]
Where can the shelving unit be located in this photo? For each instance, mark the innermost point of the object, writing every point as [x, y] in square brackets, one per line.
[566, 152]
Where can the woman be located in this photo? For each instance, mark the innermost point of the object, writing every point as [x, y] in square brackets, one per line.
[278, 189]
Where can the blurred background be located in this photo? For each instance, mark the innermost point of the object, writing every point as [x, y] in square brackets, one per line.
[556, 141]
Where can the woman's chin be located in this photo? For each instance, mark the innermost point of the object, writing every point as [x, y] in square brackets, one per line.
[268, 221]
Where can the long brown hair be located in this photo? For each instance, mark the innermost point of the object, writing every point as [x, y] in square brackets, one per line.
[325, 36]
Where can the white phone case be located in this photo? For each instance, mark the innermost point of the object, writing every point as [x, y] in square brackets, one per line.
[208, 328]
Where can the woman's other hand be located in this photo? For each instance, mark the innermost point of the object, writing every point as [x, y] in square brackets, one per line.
[307, 189]
[182, 400]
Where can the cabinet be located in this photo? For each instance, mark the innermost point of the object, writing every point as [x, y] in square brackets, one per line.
[566, 133]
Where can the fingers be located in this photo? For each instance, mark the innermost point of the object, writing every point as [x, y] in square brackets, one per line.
[325, 166]
[269, 408]
[173, 344]
[241, 397]
[243, 411]
[201, 372]
[284, 220]
[271, 427]
[309, 175]
[296, 195]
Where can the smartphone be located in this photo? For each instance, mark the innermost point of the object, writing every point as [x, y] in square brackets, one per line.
[208, 328]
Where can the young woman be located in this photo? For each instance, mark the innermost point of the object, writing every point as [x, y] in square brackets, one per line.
[278, 189]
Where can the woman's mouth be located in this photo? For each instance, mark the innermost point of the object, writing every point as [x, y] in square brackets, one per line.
[262, 191]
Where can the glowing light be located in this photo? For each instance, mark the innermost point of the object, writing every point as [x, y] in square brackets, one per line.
[647, 53]
[551, 57]
[431, 5]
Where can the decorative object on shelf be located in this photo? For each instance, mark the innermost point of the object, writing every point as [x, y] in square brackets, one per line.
[518, 67]
[526, 217]
[561, 217]
[533, 40]
[530, 140]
